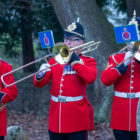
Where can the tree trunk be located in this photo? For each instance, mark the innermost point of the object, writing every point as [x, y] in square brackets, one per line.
[96, 28]
[27, 42]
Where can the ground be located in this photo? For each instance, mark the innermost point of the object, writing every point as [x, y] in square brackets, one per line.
[36, 127]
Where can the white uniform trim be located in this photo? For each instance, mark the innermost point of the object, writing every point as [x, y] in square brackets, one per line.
[2, 106]
[127, 95]
[66, 98]
[115, 60]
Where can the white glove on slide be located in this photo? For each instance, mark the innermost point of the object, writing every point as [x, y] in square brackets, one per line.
[127, 58]
[44, 68]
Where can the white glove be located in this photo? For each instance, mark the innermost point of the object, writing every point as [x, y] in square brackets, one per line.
[128, 57]
[44, 68]
[137, 56]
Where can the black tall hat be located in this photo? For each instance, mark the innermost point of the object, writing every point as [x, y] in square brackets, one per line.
[134, 20]
[74, 29]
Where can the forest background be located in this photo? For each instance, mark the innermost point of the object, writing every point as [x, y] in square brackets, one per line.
[20, 22]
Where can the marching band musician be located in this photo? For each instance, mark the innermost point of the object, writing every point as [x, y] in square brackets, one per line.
[70, 113]
[125, 78]
[7, 94]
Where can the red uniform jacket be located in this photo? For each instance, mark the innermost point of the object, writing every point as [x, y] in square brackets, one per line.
[71, 116]
[123, 110]
[10, 93]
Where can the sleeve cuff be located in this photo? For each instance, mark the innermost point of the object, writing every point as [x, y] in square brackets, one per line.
[2, 94]
[122, 68]
[2, 106]
[77, 62]
[38, 77]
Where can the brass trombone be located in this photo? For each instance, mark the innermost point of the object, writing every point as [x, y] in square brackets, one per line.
[61, 54]
[136, 51]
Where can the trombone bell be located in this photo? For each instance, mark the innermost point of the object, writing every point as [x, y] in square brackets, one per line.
[61, 53]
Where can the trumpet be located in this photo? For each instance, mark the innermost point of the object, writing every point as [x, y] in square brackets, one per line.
[136, 51]
[61, 54]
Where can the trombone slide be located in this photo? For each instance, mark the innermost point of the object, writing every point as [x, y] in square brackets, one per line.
[61, 54]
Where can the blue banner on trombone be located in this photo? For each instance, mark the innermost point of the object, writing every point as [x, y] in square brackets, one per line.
[126, 34]
[46, 39]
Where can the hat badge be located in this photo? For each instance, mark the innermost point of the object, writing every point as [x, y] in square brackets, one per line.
[72, 27]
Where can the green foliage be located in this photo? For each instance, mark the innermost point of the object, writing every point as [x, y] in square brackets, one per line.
[121, 5]
[41, 15]
[102, 3]
[11, 45]
[118, 4]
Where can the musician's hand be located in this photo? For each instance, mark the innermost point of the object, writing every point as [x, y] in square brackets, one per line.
[128, 57]
[74, 57]
[137, 51]
[121, 68]
[137, 56]
[43, 69]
